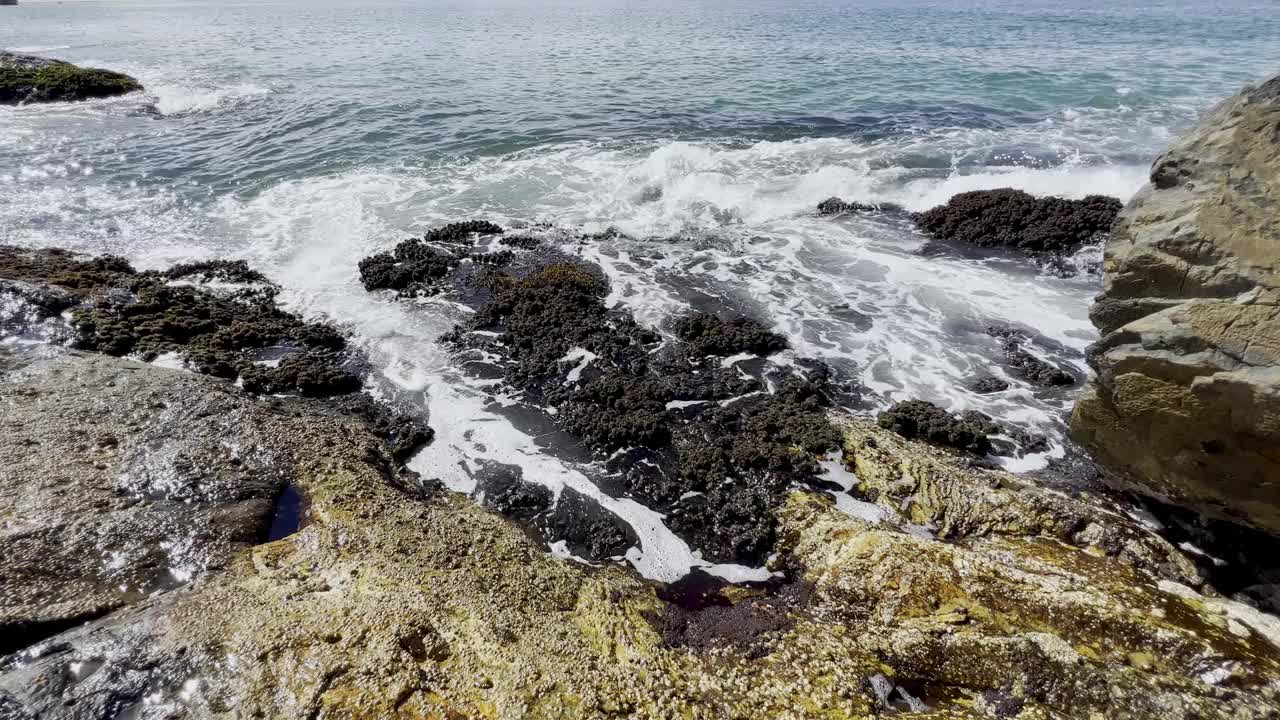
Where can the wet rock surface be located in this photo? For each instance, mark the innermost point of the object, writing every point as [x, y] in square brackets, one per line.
[218, 317]
[119, 481]
[917, 419]
[416, 267]
[1026, 603]
[710, 335]
[987, 384]
[32, 79]
[1018, 220]
[678, 423]
[1185, 402]
[837, 206]
[236, 333]
[1033, 625]
[1022, 362]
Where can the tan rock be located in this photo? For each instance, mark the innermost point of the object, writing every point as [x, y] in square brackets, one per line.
[387, 603]
[1185, 404]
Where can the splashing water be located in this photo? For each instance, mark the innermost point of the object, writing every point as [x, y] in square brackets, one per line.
[705, 135]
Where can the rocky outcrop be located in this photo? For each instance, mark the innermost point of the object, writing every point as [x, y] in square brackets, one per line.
[31, 79]
[231, 329]
[387, 601]
[419, 266]
[1021, 221]
[1185, 404]
[676, 421]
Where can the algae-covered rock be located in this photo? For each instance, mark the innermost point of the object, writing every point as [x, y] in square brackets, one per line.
[27, 78]
[234, 331]
[388, 602]
[1185, 403]
[838, 206]
[957, 499]
[702, 442]
[711, 335]
[391, 601]
[1021, 221]
[1059, 632]
[920, 419]
[417, 266]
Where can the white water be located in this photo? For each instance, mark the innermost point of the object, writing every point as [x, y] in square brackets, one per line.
[734, 222]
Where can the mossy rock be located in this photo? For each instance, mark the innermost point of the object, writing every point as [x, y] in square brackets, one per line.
[26, 79]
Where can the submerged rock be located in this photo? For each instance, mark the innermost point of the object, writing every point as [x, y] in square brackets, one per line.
[837, 206]
[1033, 369]
[416, 266]
[27, 78]
[988, 384]
[1018, 220]
[1185, 403]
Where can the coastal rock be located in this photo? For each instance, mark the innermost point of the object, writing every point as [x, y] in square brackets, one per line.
[1032, 369]
[711, 335]
[700, 441]
[388, 601]
[838, 206]
[919, 419]
[956, 499]
[31, 79]
[987, 384]
[1185, 404]
[418, 265]
[231, 330]
[120, 480]
[215, 317]
[1021, 221]
[1031, 628]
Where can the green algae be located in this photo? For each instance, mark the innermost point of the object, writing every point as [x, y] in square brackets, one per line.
[52, 81]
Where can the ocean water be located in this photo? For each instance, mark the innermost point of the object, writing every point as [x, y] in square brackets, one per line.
[302, 136]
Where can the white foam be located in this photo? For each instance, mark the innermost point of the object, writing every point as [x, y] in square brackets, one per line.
[583, 357]
[737, 223]
[846, 503]
[1070, 181]
[39, 48]
[182, 98]
[171, 361]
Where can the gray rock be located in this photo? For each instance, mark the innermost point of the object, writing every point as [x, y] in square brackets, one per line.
[1185, 405]
[120, 480]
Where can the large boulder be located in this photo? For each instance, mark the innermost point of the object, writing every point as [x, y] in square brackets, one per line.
[1185, 405]
[27, 78]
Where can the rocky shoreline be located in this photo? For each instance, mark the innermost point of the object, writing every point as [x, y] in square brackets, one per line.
[240, 537]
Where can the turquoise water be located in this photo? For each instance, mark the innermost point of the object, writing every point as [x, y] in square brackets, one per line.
[304, 135]
[260, 92]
